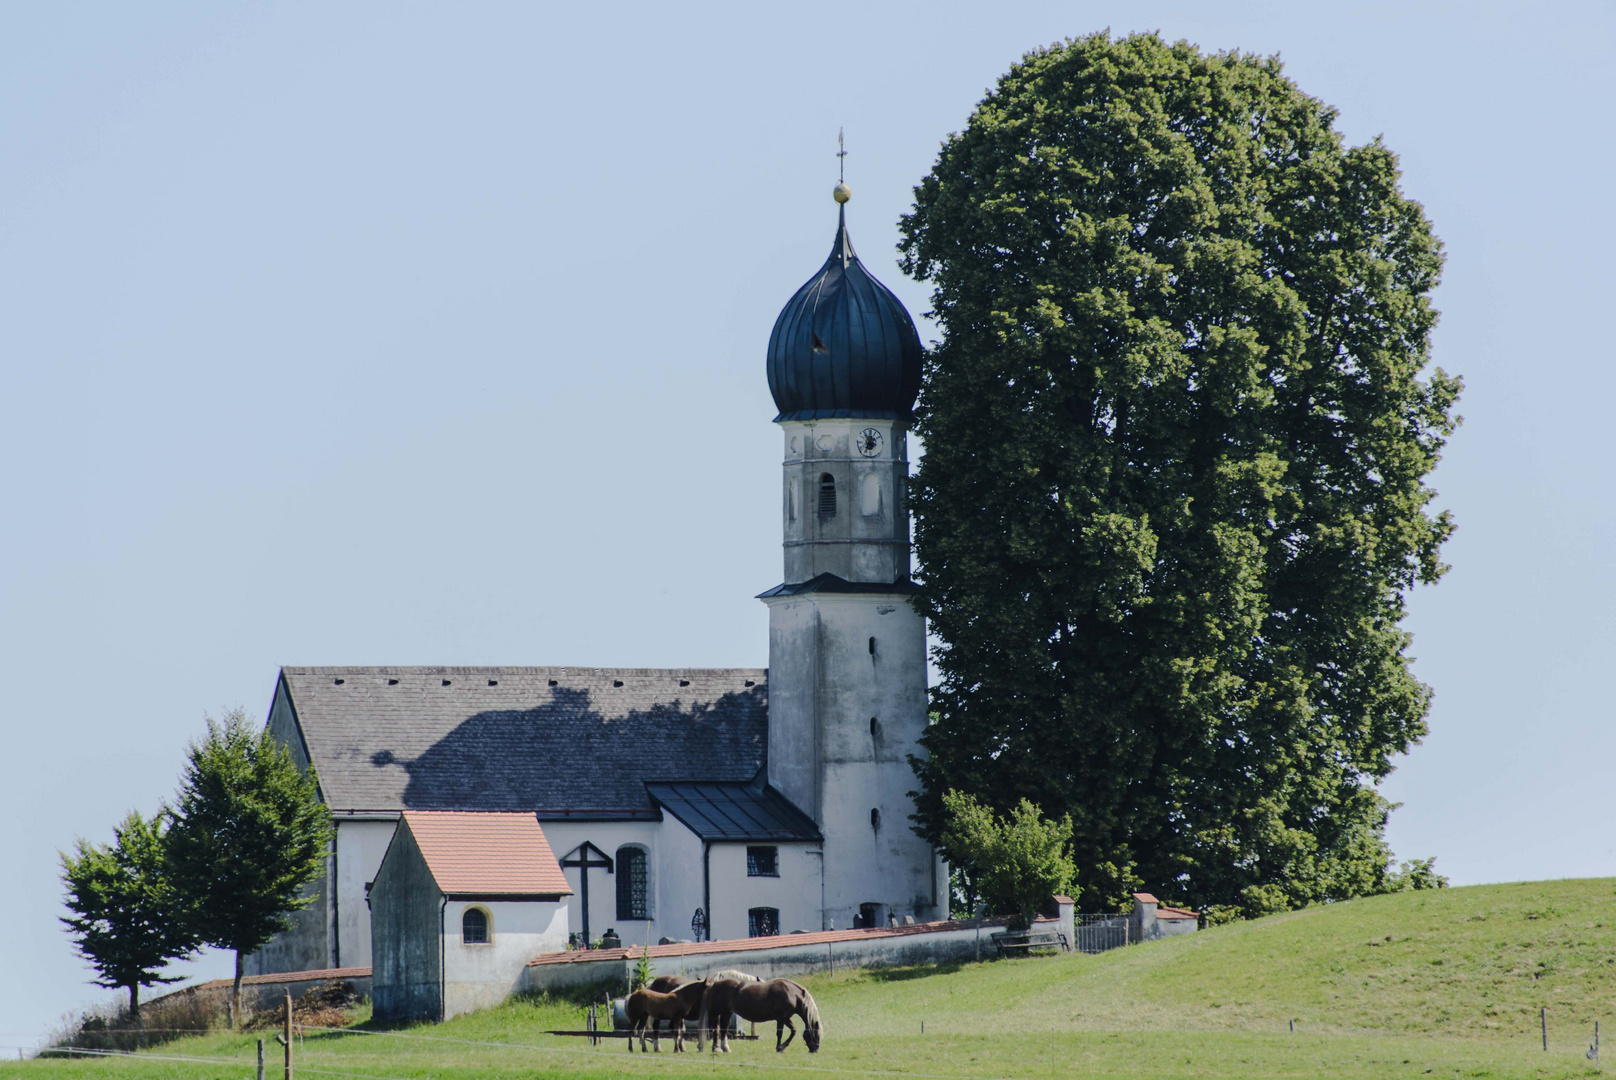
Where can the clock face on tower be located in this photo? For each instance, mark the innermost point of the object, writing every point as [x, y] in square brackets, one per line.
[869, 442]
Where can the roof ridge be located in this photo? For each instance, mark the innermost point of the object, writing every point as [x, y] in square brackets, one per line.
[535, 669]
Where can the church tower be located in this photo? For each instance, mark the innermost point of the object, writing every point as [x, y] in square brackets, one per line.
[847, 652]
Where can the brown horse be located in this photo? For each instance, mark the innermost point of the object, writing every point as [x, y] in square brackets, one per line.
[778, 1000]
[664, 984]
[644, 1007]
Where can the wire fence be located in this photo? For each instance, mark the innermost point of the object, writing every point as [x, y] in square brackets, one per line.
[324, 1066]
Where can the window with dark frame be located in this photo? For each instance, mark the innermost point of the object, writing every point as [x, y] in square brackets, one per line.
[474, 927]
[631, 884]
[762, 922]
[762, 862]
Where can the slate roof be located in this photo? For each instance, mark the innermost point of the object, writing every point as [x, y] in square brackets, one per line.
[734, 811]
[486, 854]
[578, 742]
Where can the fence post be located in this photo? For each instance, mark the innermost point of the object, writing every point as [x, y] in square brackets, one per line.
[1543, 1018]
[288, 1035]
[260, 1059]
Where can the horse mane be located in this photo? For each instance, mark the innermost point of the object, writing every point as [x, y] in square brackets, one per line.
[810, 1006]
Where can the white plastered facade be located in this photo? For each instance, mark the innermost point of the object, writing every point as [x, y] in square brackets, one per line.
[478, 975]
[847, 669]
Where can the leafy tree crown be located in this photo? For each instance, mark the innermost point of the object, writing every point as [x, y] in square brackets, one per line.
[1177, 432]
[127, 918]
[250, 834]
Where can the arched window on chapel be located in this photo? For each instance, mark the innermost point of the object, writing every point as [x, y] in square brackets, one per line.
[474, 927]
[633, 883]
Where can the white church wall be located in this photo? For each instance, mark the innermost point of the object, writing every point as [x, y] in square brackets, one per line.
[865, 705]
[608, 836]
[793, 701]
[477, 976]
[677, 880]
[794, 893]
[361, 843]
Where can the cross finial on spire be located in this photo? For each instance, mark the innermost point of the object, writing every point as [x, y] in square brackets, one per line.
[841, 192]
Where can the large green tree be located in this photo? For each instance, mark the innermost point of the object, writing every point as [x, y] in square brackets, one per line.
[1177, 431]
[128, 920]
[250, 835]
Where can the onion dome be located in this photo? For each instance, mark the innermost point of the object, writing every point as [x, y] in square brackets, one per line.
[844, 346]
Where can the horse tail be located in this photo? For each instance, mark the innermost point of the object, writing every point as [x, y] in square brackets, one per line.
[701, 1020]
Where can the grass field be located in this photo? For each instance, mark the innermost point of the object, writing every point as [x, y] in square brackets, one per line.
[1438, 984]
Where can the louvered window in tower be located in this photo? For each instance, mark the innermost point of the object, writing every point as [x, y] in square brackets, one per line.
[631, 884]
[827, 495]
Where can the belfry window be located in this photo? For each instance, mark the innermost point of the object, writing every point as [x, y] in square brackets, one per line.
[474, 927]
[632, 882]
[827, 495]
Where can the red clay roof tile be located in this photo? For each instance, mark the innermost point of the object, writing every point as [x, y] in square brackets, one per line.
[777, 941]
[486, 853]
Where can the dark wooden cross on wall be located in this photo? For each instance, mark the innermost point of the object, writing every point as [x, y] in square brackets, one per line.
[579, 857]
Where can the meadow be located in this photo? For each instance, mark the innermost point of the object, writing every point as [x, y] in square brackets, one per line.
[1443, 983]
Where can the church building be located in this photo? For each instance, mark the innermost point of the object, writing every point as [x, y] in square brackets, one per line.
[684, 804]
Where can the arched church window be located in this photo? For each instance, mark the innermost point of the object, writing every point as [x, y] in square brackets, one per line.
[632, 883]
[827, 495]
[474, 927]
[762, 922]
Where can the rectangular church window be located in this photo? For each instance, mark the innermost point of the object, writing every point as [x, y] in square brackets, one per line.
[762, 922]
[762, 862]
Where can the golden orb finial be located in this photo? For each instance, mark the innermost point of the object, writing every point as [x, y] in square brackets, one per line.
[841, 192]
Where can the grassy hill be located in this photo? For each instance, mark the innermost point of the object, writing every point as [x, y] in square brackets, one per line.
[1474, 962]
[1442, 983]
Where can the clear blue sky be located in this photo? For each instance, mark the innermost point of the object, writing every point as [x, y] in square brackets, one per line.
[396, 333]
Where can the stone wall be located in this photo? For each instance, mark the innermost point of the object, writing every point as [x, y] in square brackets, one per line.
[779, 957]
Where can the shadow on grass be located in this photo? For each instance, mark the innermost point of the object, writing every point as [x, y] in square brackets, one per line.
[915, 971]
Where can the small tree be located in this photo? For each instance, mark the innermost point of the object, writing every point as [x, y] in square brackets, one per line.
[127, 919]
[1415, 874]
[250, 834]
[1016, 863]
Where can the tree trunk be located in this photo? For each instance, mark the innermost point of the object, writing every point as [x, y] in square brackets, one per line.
[134, 1001]
[235, 996]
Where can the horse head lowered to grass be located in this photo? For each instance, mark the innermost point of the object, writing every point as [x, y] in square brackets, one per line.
[780, 1000]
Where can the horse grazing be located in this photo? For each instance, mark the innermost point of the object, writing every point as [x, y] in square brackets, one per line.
[645, 1007]
[778, 1000]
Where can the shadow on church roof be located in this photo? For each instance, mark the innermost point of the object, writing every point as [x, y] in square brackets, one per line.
[505, 739]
